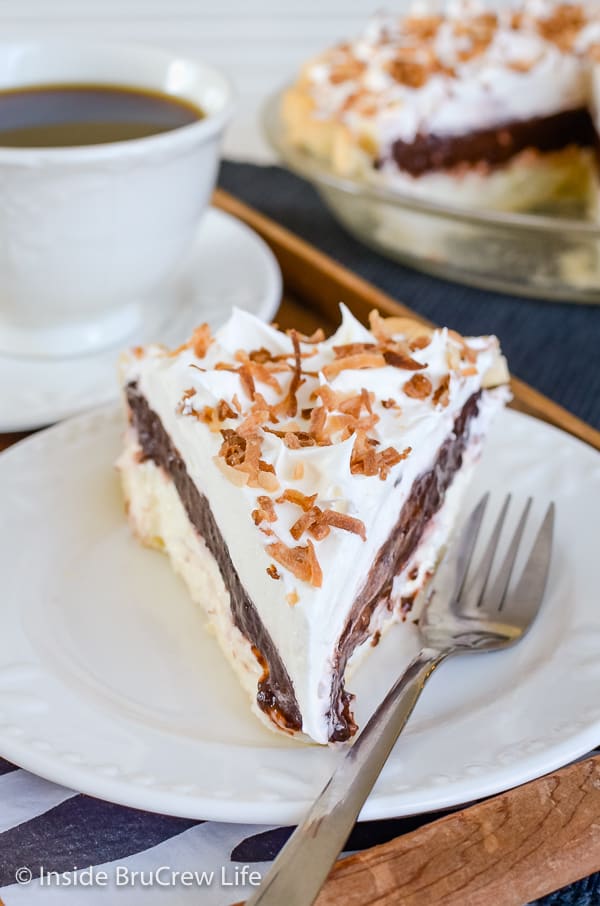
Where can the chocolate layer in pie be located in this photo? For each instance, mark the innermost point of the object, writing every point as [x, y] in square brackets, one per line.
[275, 693]
[495, 146]
[426, 497]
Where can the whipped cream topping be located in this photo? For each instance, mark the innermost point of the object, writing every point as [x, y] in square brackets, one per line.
[339, 444]
[453, 73]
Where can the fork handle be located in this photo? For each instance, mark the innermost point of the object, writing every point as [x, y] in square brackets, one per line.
[300, 869]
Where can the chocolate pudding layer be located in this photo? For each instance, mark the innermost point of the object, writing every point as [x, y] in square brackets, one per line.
[426, 498]
[275, 694]
[496, 146]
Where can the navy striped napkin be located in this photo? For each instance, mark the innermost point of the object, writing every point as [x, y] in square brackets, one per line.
[61, 848]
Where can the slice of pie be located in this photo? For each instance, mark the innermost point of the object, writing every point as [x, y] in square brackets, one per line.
[304, 488]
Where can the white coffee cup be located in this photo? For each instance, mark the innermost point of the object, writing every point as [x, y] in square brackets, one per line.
[88, 233]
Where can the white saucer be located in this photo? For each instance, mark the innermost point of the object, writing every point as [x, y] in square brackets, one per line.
[110, 683]
[229, 265]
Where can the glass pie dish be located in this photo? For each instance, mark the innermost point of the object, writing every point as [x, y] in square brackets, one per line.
[547, 255]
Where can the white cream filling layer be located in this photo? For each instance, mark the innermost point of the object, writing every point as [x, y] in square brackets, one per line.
[158, 519]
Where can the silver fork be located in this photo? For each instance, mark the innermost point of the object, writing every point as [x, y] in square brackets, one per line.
[463, 613]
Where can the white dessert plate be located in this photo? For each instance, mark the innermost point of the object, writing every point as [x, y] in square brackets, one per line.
[44, 390]
[110, 684]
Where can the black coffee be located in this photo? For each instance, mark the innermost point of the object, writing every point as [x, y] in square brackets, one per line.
[54, 116]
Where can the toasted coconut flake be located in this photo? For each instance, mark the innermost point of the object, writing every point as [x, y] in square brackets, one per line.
[421, 342]
[563, 24]
[388, 458]
[292, 437]
[294, 440]
[247, 380]
[316, 337]
[296, 377]
[207, 415]
[345, 522]
[289, 404]
[462, 354]
[441, 397]
[319, 530]
[453, 358]
[272, 571]
[260, 373]
[329, 398]
[250, 461]
[232, 474]
[389, 403]
[265, 512]
[355, 362]
[224, 411]
[353, 404]
[201, 340]
[353, 349]
[301, 561]
[291, 440]
[233, 448]
[243, 454]
[469, 371]
[185, 406]
[305, 522]
[386, 328]
[363, 460]
[253, 422]
[367, 400]
[292, 598]
[267, 481]
[342, 425]
[261, 355]
[298, 471]
[418, 387]
[400, 360]
[318, 418]
[291, 495]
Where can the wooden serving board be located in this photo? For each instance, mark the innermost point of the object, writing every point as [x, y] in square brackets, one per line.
[511, 848]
